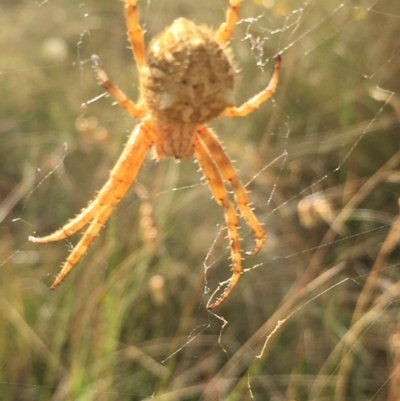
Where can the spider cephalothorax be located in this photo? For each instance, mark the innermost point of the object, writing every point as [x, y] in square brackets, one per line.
[186, 80]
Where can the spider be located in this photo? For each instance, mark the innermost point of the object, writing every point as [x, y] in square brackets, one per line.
[186, 79]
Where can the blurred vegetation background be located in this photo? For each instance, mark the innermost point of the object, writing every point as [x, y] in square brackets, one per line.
[321, 161]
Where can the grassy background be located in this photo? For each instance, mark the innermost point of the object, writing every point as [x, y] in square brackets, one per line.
[321, 161]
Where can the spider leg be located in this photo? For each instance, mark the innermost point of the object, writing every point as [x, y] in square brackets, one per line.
[71, 227]
[230, 176]
[224, 32]
[121, 177]
[133, 109]
[82, 246]
[257, 100]
[221, 197]
[135, 32]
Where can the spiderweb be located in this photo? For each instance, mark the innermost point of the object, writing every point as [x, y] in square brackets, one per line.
[314, 315]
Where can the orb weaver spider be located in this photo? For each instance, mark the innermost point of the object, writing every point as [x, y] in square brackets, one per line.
[186, 79]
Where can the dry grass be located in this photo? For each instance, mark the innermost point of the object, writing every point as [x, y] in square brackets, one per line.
[130, 322]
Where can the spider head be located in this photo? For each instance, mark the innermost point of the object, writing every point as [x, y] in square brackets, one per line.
[189, 76]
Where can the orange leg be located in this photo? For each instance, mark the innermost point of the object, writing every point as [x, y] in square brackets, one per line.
[121, 177]
[89, 212]
[230, 176]
[224, 32]
[134, 110]
[140, 141]
[257, 100]
[74, 225]
[221, 197]
[135, 32]
[81, 247]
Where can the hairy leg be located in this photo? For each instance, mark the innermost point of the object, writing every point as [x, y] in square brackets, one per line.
[221, 197]
[224, 32]
[84, 243]
[230, 176]
[257, 100]
[121, 177]
[133, 109]
[135, 32]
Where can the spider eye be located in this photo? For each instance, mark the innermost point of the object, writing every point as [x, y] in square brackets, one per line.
[184, 82]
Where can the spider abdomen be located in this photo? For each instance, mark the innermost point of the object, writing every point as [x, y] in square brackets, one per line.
[189, 76]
